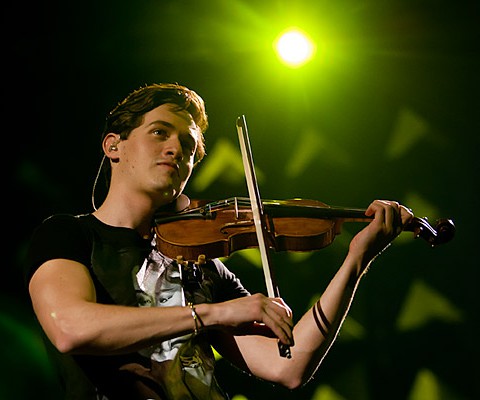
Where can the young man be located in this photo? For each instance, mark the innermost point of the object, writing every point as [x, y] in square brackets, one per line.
[119, 316]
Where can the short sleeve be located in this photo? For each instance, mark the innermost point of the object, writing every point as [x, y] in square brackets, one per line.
[59, 236]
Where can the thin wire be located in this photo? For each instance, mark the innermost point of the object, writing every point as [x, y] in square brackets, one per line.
[96, 181]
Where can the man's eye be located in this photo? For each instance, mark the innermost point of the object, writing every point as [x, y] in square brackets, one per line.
[160, 132]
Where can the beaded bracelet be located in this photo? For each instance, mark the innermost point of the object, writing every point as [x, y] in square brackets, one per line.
[196, 318]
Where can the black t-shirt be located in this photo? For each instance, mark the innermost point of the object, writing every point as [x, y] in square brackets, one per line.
[113, 255]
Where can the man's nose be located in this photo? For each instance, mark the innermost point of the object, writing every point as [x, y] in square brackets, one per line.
[173, 147]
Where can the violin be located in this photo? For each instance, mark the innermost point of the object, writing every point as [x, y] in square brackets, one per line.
[219, 228]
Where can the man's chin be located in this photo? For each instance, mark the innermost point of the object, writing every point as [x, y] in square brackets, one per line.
[170, 194]
[169, 190]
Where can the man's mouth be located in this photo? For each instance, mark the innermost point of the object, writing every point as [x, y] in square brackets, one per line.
[172, 165]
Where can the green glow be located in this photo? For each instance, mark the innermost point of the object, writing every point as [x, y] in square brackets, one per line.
[325, 392]
[424, 304]
[352, 329]
[409, 129]
[252, 256]
[426, 386]
[223, 162]
[239, 397]
[294, 48]
[311, 144]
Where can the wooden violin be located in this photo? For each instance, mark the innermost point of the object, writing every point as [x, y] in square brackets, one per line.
[219, 228]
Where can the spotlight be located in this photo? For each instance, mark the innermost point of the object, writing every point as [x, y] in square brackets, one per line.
[294, 48]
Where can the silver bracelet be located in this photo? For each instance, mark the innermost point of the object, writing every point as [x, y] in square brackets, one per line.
[196, 318]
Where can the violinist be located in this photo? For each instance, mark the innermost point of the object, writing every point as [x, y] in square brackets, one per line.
[124, 321]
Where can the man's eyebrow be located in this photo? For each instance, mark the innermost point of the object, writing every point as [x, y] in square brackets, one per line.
[161, 122]
[168, 125]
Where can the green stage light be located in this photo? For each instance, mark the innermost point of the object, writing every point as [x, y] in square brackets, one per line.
[294, 48]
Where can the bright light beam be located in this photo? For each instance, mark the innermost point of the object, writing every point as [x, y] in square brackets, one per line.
[294, 48]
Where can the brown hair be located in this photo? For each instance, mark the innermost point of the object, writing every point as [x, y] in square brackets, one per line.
[128, 114]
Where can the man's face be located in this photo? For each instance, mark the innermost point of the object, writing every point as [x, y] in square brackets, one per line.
[158, 156]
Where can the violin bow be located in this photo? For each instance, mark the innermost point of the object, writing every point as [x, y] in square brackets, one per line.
[258, 216]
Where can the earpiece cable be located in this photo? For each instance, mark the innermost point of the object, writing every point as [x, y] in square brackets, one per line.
[96, 181]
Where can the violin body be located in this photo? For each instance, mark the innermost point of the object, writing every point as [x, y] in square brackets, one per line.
[219, 228]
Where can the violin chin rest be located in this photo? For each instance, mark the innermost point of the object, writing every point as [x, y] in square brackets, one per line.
[181, 203]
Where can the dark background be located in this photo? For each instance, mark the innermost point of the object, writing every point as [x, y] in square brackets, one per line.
[388, 109]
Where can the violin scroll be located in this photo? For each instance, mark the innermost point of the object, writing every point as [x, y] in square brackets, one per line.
[442, 233]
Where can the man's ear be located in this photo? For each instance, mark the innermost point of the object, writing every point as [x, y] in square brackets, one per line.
[110, 145]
